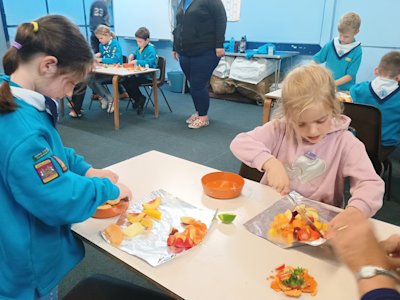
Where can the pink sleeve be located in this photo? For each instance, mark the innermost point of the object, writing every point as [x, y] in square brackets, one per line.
[254, 148]
[366, 187]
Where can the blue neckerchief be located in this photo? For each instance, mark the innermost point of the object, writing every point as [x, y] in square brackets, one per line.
[51, 108]
[186, 4]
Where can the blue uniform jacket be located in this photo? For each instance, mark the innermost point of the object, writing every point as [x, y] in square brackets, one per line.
[389, 106]
[43, 190]
[148, 56]
[111, 53]
[348, 64]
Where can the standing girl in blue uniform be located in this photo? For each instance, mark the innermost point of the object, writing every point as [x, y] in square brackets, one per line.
[44, 186]
[343, 54]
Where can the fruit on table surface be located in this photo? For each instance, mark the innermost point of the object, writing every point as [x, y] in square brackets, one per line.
[227, 218]
[187, 220]
[135, 217]
[293, 281]
[152, 204]
[290, 226]
[104, 206]
[147, 223]
[114, 234]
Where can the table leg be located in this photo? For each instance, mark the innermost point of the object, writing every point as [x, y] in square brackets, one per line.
[266, 110]
[116, 101]
[155, 94]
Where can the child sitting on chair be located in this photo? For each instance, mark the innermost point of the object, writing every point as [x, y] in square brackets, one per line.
[384, 93]
[110, 53]
[343, 55]
[310, 149]
[145, 55]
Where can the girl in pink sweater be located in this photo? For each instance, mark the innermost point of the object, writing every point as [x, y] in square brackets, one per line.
[309, 149]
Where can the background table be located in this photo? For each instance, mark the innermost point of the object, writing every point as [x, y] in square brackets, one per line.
[116, 73]
[231, 263]
[278, 56]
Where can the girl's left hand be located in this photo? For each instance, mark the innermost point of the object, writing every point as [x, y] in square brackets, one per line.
[98, 59]
[98, 54]
[92, 172]
[220, 52]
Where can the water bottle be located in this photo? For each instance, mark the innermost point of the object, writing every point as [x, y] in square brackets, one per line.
[242, 45]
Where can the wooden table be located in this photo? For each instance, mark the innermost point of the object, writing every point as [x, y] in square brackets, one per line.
[269, 102]
[116, 73]
[231, 263]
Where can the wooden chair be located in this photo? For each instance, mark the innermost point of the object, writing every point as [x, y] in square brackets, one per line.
[366, 122]
[250, 173]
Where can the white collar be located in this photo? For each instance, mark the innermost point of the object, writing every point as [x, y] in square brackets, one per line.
[342, 49]
[31, 97]
[383, 87]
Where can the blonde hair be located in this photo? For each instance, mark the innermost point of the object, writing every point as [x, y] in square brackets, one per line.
[389, 65]
[349, 22]
[104, 30]
[304, 87]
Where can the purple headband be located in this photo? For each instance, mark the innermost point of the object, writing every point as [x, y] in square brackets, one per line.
[16, 45]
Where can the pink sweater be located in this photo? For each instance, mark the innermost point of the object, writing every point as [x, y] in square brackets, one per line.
[317, 171]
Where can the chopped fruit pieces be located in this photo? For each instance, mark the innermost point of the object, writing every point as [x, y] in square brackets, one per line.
[147, 223]
[293, 281]
[133, 230]
[136, 217]
[227, 218]
[153, 213]
[191, 236]
[187, 220]
[290, 226]
[153, 204]
[114, 234]
[113, 202]
[104, 206]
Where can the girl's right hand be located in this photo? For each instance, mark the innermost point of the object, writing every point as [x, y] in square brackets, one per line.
[277, 176]
[98, 54]
[130, 58]
[124, 191]
[175, 55]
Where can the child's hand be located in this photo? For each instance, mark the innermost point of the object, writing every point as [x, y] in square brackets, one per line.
[277, 176]
[98, 59]
[98, 54]
[124, 191]
[130, 58]
[132, 62]
[92, 172]
[175, 55]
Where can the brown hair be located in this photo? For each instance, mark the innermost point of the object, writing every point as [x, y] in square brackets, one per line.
[104, 30]
[304, 87]
[54, 35]
[142, 33]
[390, 65]
[349, 22]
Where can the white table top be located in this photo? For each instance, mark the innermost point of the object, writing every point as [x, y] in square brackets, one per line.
[275, 94]
[121, 71]
[231, 263]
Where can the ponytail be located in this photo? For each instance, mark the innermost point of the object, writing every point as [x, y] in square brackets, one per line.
[10, 64]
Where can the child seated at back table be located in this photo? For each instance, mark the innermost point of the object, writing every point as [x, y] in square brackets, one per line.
[309, 149]
[343, 55]
[110, 53]
[145, 55]
[384, 93]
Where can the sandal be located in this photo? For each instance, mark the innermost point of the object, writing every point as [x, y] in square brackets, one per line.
[192, 118]
[198, 123]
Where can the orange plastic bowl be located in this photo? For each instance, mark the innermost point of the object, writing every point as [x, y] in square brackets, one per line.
[222, 185]
[115, 210]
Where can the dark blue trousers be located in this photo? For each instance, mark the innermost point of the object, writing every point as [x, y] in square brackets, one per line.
[198, 68]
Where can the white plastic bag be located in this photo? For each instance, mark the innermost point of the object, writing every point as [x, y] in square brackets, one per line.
[224, 67]
[251, 70]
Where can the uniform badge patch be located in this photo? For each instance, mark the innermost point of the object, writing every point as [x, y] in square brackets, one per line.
[348, 59]
[46, 171]
[42, 153]
[61, 163]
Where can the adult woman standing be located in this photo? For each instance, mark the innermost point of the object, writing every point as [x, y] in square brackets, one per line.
[199, 36]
